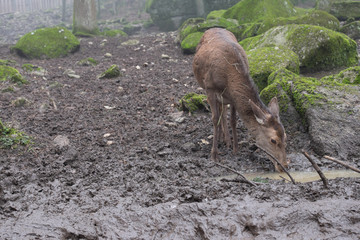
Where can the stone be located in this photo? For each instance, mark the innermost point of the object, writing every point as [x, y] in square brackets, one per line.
[46, 43]
[309, 42]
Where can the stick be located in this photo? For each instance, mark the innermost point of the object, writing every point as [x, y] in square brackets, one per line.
[313, 163]
[342, 163]
[284, 178]
[234, 171]
[283, 168]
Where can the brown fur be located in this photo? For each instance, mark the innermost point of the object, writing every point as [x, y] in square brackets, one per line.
[221, 68]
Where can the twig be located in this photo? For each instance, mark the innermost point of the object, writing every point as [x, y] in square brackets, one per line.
[277, 161]
[342, 163]
[234, 171]
[313, 163]
[285, 178]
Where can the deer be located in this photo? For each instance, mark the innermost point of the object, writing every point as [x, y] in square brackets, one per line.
[221, 68]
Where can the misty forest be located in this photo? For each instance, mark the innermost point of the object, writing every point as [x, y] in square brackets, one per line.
[181, 119]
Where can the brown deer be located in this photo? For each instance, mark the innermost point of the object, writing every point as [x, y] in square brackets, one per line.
[221, 68]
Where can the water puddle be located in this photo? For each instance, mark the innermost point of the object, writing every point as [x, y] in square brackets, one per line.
[298, 176]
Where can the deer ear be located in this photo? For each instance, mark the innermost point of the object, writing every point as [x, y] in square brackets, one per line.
[274, 107]
[260, 116]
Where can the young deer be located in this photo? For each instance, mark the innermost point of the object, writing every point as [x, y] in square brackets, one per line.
[221, 68]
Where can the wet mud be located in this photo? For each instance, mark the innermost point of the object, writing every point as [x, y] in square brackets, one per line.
[115, 159]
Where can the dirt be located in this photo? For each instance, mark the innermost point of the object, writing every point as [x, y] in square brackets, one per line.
[115, 159]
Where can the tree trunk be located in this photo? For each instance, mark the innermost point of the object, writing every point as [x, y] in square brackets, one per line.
[63, 10]
[84, 20]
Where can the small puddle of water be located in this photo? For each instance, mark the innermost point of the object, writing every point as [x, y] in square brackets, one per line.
[298, 176]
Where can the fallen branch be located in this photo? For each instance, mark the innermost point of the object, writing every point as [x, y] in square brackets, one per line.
[283, 168]
[234, 171]
[313, 163]
[342, 163]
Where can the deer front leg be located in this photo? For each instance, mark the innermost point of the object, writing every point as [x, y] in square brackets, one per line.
[211, 97]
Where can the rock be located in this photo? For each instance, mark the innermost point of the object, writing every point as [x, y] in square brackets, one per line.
[345, 10]
[130, 42]
[169, 15]
[192, 102]
[178, 117]
[47, 43]
[108, 55]
[316, 18]
[329, 107]
[165, 56]
[352, 30]
[20, 102]
[309, 42]
[87, 62]
[195, 25]
[71, 73]
[11, 74]
[189, 44]
[264, 61]
[61, 141]
[248, 11]
[112, 72]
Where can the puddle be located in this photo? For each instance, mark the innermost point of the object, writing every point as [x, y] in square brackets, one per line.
[298, 176]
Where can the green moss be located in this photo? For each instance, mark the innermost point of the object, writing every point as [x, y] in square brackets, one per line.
[114, 33]
[192, 102]
[347, 76]
[194, 25]
[248, 11]
[215, 14]
[318, 48]
[47, 43]
[264, 61]
[11, 74]
[12, 138]
[302, 90]
[316, 18]
[7, 62]
[87, 62]
[189, 44]
[112, 72]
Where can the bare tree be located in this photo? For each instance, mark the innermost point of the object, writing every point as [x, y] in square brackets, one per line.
[85, 19]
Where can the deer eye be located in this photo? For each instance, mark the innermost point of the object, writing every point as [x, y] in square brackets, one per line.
[273, 141]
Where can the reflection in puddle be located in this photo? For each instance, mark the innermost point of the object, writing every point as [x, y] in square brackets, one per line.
[298, 176]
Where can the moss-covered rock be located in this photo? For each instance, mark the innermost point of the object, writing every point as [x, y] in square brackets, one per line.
[347, 76]
[323, 104]
[352, 30]
[168, 15]
[87, 62]
[111, 72]
[316, 18]
[192, 102]
[189, 44]
[114, 33]
[318, 48]
[193, 25]
[264, 61]
[47, 43]
[248, 11]
[215, 14]
[345, 10]
[11, 74]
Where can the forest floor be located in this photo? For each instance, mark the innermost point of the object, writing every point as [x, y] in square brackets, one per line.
[115, 159]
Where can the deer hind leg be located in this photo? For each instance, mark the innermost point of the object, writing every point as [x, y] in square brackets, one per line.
[233, 128]
[215, 114]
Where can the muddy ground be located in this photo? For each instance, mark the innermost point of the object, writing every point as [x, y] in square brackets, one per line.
[115, 159]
